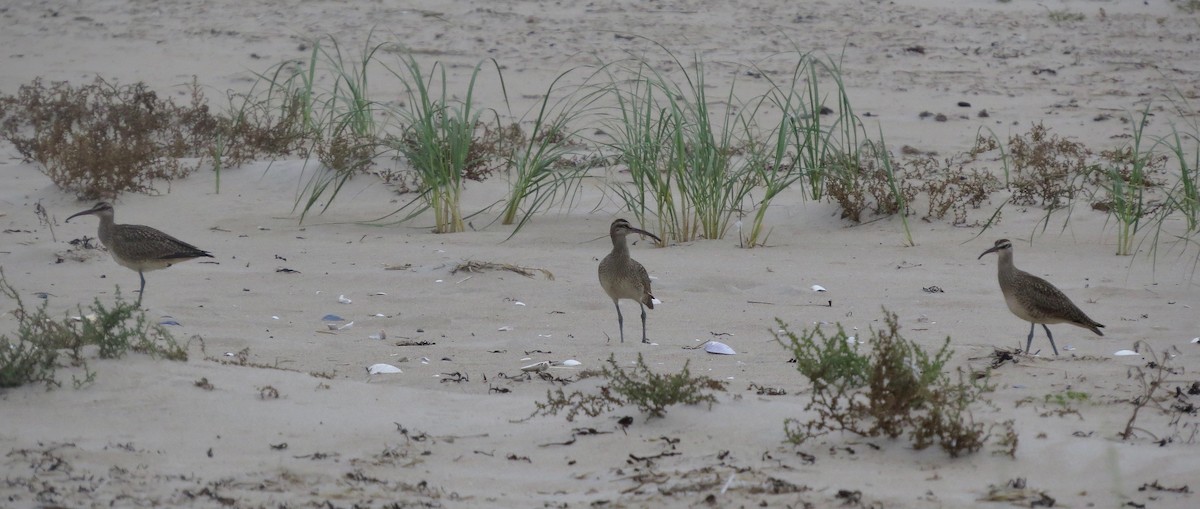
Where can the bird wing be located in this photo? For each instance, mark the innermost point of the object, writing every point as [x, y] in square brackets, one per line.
[1055, 303]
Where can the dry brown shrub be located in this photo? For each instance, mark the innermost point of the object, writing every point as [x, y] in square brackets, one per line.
[1047, 168]
[101, 139]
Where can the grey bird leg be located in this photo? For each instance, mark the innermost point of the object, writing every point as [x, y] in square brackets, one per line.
[142, 288]
[644, 340]
[1029, 343]
[1051, 336]
[620, 320]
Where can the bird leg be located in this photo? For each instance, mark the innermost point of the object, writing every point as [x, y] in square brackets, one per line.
[141, 289]
[620, 320]
[1029, 342]
[644, 340]
[1051, 336]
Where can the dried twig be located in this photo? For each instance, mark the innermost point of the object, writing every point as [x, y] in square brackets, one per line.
[477, 266]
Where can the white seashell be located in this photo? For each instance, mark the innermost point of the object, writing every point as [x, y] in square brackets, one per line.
[718, 348]
[438, 281]
[377, 369]
[381, 335]
[424, 360]
[1121, 353]
[537, 367]
[380, 315]
[505, 328]
[274, 317]
[818, 288]
[342, 299]
[1195, 340]
[656, 301]
[571, 362]
[347, 325]
[518, 303]
[379, 293]
[852, 340]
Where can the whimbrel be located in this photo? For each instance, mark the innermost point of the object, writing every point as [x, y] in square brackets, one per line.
[138, 247]
[623, 277]
[1034, 299]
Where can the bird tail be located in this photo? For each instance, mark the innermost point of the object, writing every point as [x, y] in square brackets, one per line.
[1095, 327]
[649, 301]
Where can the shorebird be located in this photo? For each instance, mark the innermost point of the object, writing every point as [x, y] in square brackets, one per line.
[1034, 299]
[623, 277]
[138, 247]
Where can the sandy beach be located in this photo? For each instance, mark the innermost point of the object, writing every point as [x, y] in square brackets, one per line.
[302, 424]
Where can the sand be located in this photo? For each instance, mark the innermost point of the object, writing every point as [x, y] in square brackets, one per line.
[449, 431]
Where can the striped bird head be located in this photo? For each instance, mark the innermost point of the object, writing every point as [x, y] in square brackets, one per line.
[620, 228]
[101, 209]
[1002, 246]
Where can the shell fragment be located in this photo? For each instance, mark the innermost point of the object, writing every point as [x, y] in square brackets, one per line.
[379, 369]
[719, 348]
[537, 367]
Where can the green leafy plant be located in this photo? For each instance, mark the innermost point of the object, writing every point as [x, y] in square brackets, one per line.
[650, 392]
[897, 388]
[32, 357]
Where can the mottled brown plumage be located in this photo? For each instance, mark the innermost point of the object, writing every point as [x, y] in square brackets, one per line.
[623, 277]
[1034, 299]
[140, 248]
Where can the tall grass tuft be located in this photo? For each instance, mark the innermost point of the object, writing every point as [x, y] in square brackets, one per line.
[438, 140]
[712, 183]
[684, 158]
[642, 134]
[1124, 180]
[341, 118]
[540, 172]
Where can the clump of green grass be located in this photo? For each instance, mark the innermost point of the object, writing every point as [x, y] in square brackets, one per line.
[113, 330]
[1126, 183]
[684, 158]
[806, 145]
[338, 120]
[897, 388]
[540, 170]
[439, 141]
[652, 393]
[642, 135]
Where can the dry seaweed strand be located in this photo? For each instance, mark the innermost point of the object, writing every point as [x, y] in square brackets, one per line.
[473, 266]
